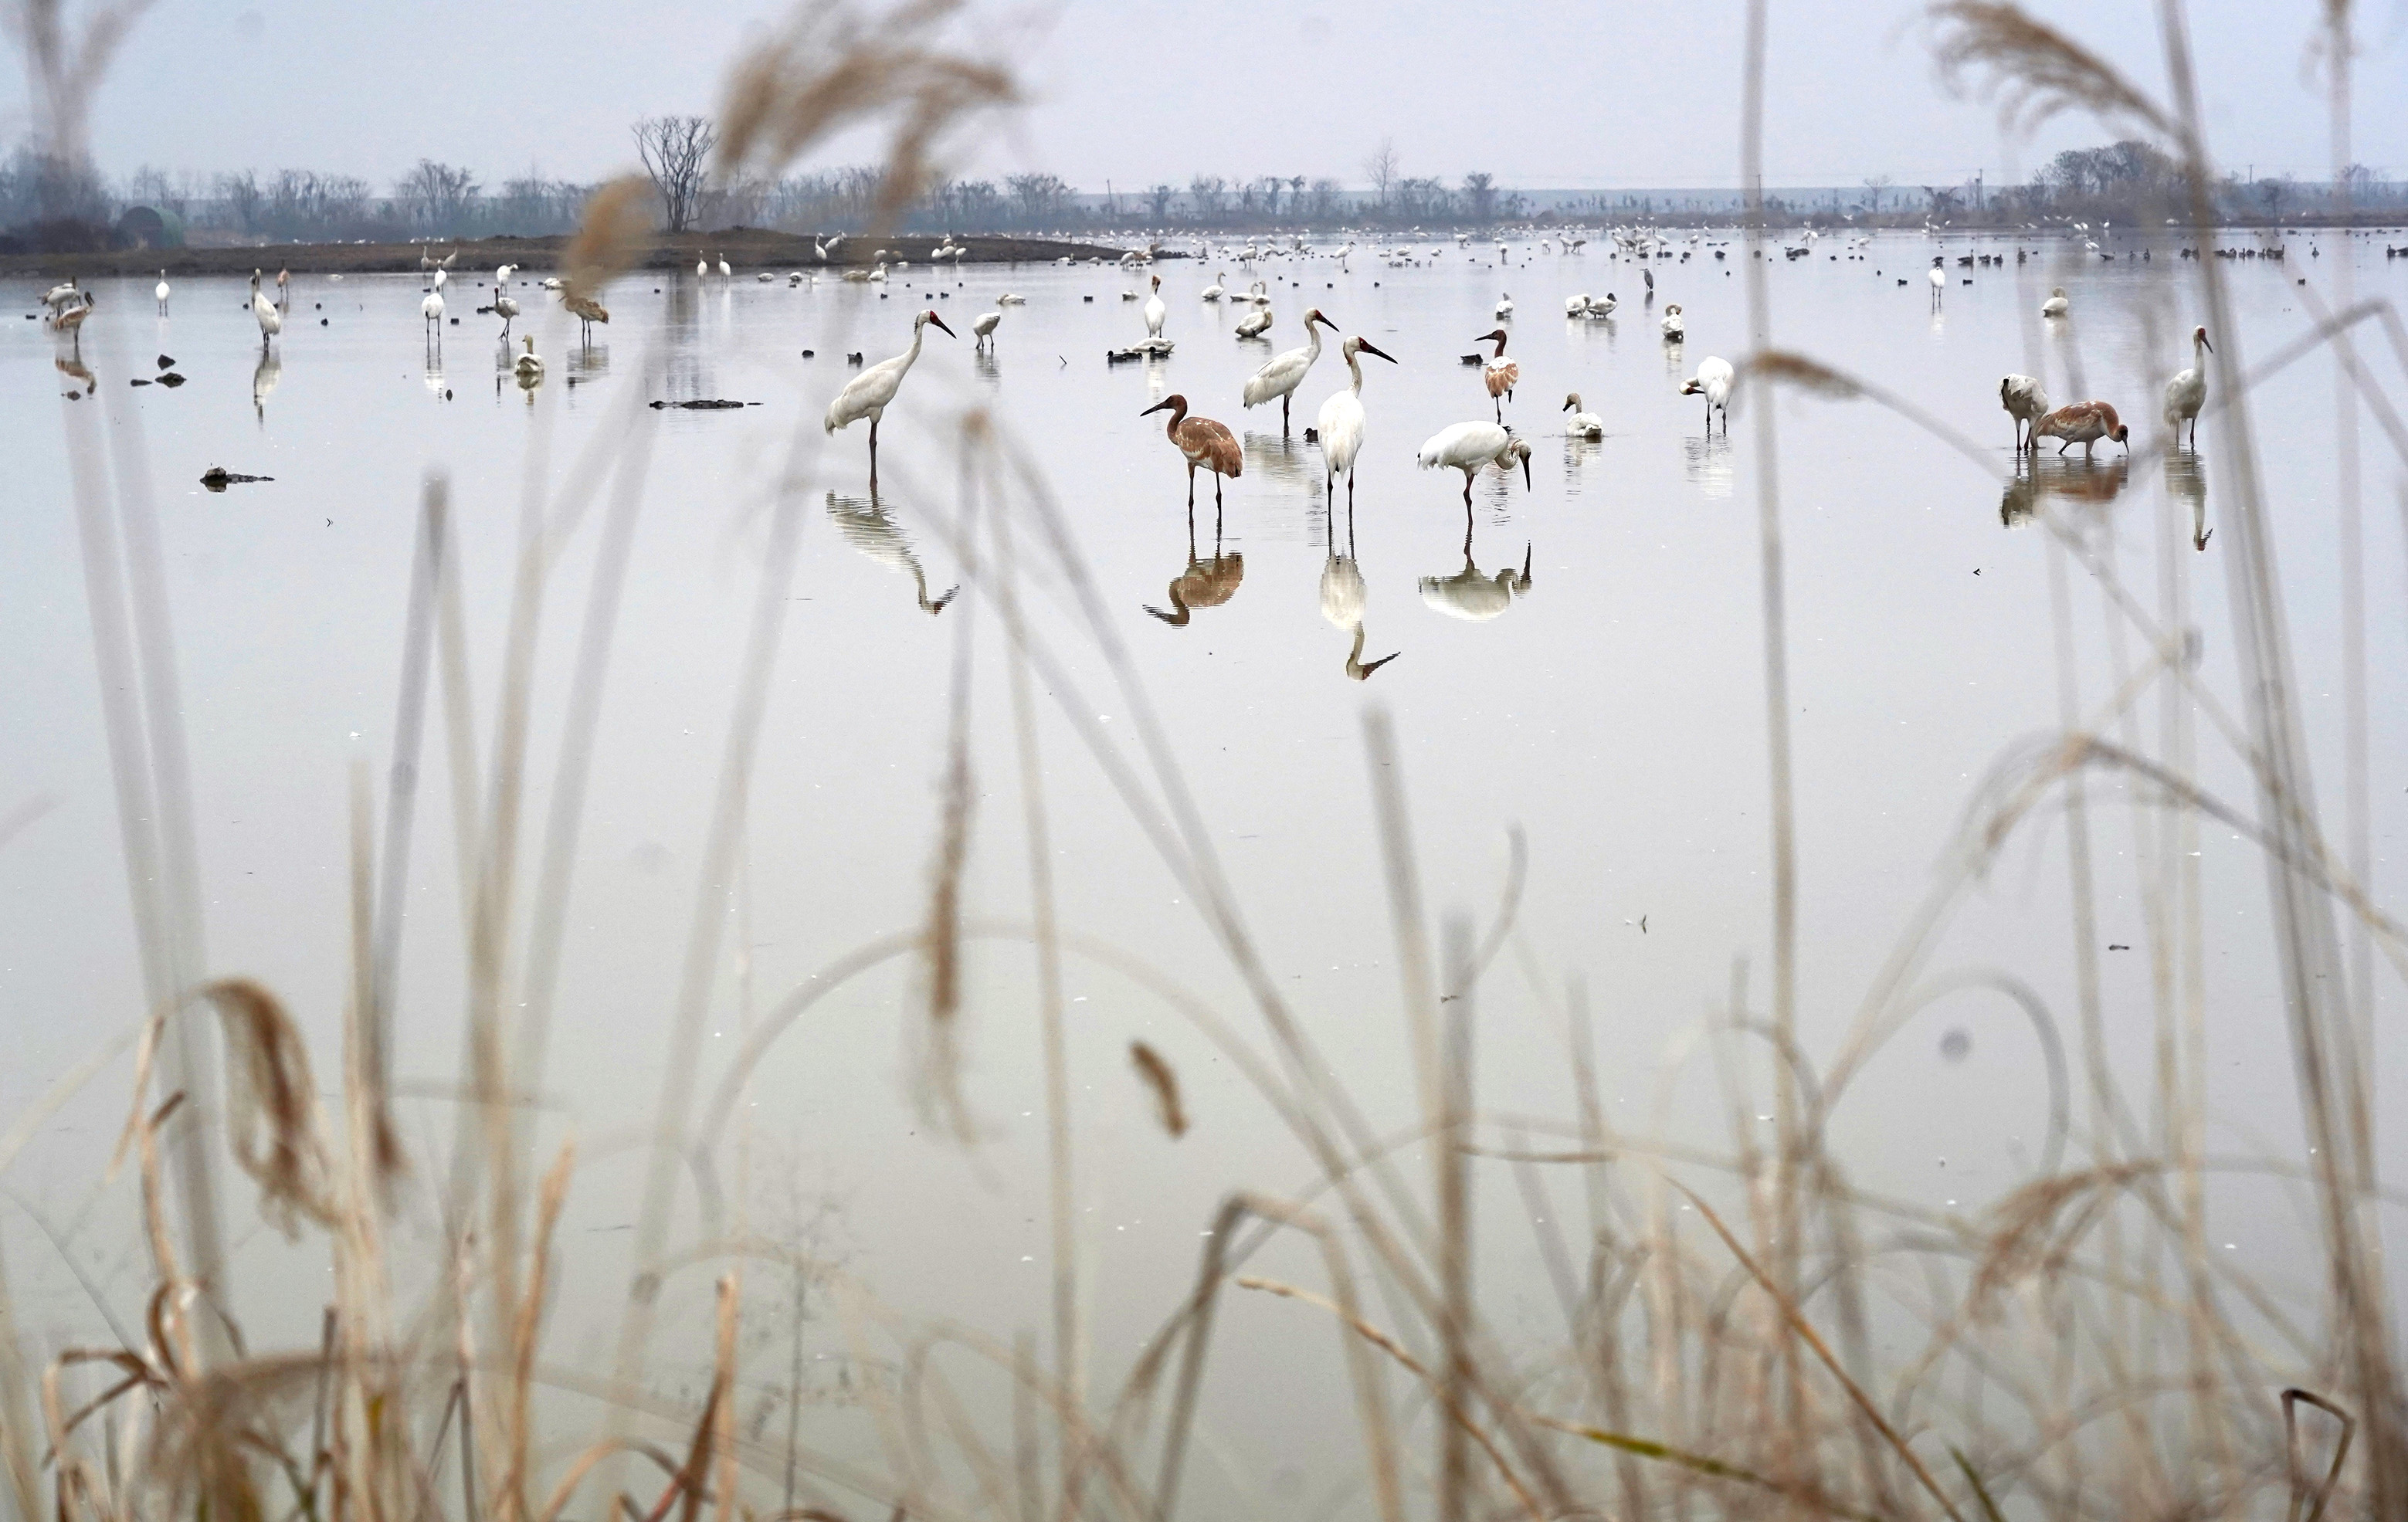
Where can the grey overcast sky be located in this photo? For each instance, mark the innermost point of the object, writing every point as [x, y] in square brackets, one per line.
[1547, 93]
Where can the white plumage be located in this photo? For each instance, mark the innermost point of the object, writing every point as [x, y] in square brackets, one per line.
[2056, 305]
[1471, 447]
[271, 322]
[1714, 382]
[1583, 424]
[2025, 403]
[1284, 372]
[983, 328]
[1674, 329]
[160, 291]
[431, 310]
[867, 395]
[1340, 423]
[1154, 311]
[2186, 392]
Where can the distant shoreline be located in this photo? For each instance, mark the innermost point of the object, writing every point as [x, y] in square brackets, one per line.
[747, 250]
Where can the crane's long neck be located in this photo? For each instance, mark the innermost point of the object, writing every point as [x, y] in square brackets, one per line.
[1178, 416]
[1312, 342]
[919, 331]
[1353, 368]
[1500, 346]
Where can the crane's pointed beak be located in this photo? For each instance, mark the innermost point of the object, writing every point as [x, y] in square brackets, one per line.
[1155, 408]
[2208, 345]
[939, 322]
[1363, 346]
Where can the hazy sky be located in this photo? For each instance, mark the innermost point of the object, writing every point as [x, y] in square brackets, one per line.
[1552, 94]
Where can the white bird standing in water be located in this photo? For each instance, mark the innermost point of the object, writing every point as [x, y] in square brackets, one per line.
[2056, 305]
[701, 267]
[2186, 392]
[1471, 447]
[505, 309]
[1154, 311]
[1340, 423]
[271, 322]
[431, 308]
[1714, 382]
[867, 395]
[160, 291]
[983, 329]
[1583, 424]
[1283, 373]
[442, 277]
[1938, 279]
[2025, 403]
[723, 271]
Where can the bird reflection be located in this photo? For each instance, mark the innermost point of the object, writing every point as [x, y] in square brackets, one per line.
[983, 364]
[1286, 460]
[1205, 583]
[1342, 602]
[868, 528]
[1706, 462]
[264, 378]
[74, 370]
[1471, 594]
[2091, 484]
[2187, 482]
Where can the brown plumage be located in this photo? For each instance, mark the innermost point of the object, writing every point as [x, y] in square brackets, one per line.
[1501, 374]
[2084, 424]
[1205, 584]
[1206, 444]
[587, 310]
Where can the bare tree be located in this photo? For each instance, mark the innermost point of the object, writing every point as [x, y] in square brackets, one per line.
[1158, 199]
[1480, 196]
[1874, 188]
[1381, 169]
[439, 194]
[675, 151]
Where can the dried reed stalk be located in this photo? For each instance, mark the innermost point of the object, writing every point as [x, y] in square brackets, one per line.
[1163, 1084]
[2034, 72]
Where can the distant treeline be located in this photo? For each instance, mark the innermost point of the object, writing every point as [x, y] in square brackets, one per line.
[48, 205]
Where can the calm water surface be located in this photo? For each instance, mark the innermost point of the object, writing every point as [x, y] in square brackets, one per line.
[1610, 705]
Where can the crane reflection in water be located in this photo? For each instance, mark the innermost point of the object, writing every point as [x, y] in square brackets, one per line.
[1343, 595]
[2077, 485]
[1205, 583]
[868, 528]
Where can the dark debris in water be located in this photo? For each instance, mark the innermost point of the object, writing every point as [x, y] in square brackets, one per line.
[171, 380]
[167, 361]
[705, 404]
[218, 478]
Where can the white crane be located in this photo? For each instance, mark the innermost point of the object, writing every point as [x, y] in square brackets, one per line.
[2026, 404]
[983, 330]
[431, 310]
[1284, 372]
[505, 309]
[1583, 424]
[1340, 423]
[1472, 447]
[723, 271]
[2056, 305]
[1154, 311]
[271, 322]
[160, 291]
[1714, 382]
[867, 395]
[701, 267]
[1938, 277]
[2186, 392]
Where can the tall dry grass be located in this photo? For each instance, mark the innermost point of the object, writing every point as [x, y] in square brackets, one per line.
[2083, 1354]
